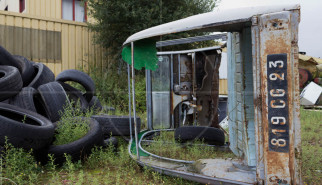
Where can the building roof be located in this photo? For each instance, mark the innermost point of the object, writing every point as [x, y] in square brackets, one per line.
[212, 21]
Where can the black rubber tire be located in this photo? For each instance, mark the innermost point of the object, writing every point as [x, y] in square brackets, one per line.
[7, 59]
[55, 99]
[81, 147]
[6, 101]
[81, 78]
[28, 70]
[10, 82]
[42, 75]
[116, 125]
[75, 95]
[24, 128]
[95, 104]
[112, 141]
[29, 98]
[210, 135]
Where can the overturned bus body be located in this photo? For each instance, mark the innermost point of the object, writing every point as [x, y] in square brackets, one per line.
[262, 93]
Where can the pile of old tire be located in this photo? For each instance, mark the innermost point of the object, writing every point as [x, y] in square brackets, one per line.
[32, 99]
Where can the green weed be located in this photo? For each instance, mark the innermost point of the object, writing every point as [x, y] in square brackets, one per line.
[165, 145]
[18, 166]
[112, 88]
[73, 125]
[311, 146]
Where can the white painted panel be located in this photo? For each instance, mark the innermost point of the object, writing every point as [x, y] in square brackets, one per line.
[79, 11]
[223, 66]
[67, 9]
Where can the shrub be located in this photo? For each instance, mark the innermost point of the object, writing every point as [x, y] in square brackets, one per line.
[18, 166]
[72, 125]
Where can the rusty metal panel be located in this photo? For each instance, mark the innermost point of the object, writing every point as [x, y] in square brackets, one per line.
[296, 130]
[274, 101]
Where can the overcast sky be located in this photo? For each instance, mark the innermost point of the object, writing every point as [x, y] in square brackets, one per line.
[310, 30]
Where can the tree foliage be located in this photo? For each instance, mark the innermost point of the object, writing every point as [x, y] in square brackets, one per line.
[115, 20]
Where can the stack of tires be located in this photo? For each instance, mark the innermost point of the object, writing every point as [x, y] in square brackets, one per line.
[32, 100]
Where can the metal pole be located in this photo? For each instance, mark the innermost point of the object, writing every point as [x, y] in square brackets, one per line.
[129, 91]
[133, 96]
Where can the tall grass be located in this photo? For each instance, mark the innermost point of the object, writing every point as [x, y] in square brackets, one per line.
[105, 166]
[112, 88]
[165, 145]
[311, 146]
[18, 166]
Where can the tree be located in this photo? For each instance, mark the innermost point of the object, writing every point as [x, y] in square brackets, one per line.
[118, 19]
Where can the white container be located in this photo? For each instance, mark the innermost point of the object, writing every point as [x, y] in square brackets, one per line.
[310, 94]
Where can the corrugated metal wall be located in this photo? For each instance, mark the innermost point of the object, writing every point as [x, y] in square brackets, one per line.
[44, 8]
[60, 44]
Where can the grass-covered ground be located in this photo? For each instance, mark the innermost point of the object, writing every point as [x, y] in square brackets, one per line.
[311, 123]
[166, 146]
[105, 166]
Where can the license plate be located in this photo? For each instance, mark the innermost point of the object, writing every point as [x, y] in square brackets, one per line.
[278, 119]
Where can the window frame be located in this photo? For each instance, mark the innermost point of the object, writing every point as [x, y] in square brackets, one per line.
[22, 5]
[85, 10]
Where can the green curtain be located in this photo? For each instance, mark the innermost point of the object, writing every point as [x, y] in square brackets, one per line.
[145, 54]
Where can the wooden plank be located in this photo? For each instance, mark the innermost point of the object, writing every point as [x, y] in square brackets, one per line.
[37, 7]
[58, 9]
[48, 8]
[26, 35]
[79, 47]
[65, 46]
[53, 8]
[50, 46]
[18, 37]
[10, 33]
[30, 7]
[85, 49]
[35, 40]
[3, 35]
[43, 42]
[99, 57]
[96, 50]
[43, 8]
[104, 59]
[10, 20]
[3, 30]
[91, 52]
[58, 48]
[71, 48]
[2, 19]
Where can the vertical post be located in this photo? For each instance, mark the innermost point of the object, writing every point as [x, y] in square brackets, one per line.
[129, 92]
[133, 96]
[148, 98]
[277, 98]
[194, 86]
[171, 90]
